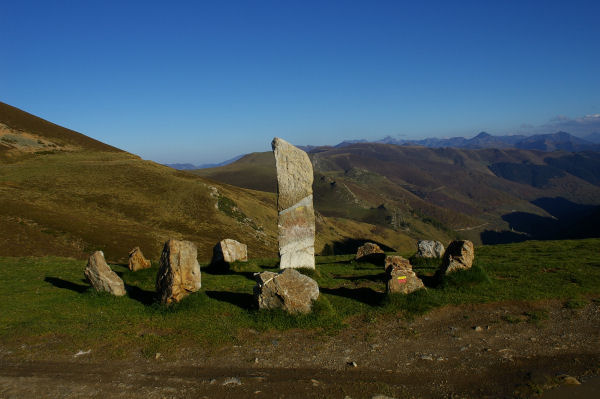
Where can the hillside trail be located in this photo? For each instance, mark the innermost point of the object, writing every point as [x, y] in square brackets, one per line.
[499, 350]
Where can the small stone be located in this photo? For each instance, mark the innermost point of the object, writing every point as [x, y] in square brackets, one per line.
[369, 251]
[81, 353]
[426, 357]
[229, 251]
[101, 277]
[430, 249]
[478, 328]
[458, 256]
[353, 364]
[232, 381]
[255, 360]
[568, 380]
[137, 260]
[400, 276]
[157, 356]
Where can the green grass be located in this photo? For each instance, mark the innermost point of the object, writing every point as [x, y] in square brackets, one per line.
[46, 307]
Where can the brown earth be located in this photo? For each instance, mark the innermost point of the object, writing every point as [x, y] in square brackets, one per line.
[439, 355]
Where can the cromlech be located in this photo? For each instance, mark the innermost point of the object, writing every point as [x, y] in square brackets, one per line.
[296, 222]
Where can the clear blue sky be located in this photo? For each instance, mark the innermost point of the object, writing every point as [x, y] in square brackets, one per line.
[203, 81]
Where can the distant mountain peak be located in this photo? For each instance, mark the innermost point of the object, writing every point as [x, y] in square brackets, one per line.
[483, 135]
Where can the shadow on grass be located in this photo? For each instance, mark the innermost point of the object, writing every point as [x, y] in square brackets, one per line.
[378, 278]
[365, 295]
[240, 299]
[60, 283]
[143, 296]
[429, 280]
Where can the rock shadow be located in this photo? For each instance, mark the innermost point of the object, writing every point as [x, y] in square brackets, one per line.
[145, 297]
[65, 284]
[379, 277]
[350, 246]
[240, 299]
[365, 295]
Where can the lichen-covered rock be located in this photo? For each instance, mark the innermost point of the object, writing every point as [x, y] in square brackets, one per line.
[368, 250]
[101, 277]
[137, 260]
[430, 249]
[179, 271]
[400, 276]
[289, 290]
[458, 256]
[228, 251]
[296, 222]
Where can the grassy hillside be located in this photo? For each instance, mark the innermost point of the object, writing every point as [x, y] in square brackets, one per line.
[484, 195]
[46, 307]
[22, 132]
[64, 194]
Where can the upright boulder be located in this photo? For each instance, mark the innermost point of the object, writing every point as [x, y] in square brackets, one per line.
[369, 251]
[296, 224]
[228, 251]
[179, 271]
[458, 256]
[289, 290]
[137, 260]
[400, 276]
[430, 249]
[101, 277]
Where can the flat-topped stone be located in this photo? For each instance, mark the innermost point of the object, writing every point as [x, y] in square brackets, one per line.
[289, 290]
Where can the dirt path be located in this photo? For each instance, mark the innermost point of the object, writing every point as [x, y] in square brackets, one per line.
[517, 348]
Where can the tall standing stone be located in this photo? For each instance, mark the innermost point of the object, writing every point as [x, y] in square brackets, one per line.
[296, 224]
[179, 271]
[101, 277]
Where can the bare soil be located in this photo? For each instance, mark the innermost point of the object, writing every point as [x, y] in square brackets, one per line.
[500, 350]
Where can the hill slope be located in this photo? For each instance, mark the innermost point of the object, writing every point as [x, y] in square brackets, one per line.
[22, 132]
[435, 192]
[62, 193]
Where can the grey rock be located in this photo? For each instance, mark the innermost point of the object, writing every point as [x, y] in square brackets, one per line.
[430, 249]
[296, 222]
[289, 290]
[179, 271]
[101, 277]
[229, 250]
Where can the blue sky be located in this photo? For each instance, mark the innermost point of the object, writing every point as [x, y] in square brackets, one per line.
[203, 81]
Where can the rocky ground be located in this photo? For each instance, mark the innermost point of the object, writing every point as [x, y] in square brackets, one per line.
[476, 351]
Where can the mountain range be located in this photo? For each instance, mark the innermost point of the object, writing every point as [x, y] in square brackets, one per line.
[486, 195]
[559, 141]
